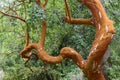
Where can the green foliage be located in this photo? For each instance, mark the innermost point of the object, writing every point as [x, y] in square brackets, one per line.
[44, 74]
[115, 58]
[75, 74]
[114, 61]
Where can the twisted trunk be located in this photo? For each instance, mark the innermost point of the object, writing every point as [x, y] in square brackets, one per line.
[104, 33]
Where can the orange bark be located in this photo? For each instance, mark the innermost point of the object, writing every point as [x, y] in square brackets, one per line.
[104, 33]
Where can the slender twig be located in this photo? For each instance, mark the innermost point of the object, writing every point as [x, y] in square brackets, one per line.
[18, 17]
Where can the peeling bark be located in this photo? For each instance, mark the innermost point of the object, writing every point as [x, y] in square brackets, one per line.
[104, 33]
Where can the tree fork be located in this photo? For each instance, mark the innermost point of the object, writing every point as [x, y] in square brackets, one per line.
[104, 33]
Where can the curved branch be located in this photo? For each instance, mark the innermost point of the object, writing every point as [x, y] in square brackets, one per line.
[18, 17]
[29, 48]
[65, 53]
[26, 52]
[104, 33]
[70, 20]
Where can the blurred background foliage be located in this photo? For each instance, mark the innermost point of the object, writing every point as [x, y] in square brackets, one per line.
[59, 35]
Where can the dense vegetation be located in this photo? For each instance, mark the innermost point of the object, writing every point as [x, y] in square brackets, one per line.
[59, 34]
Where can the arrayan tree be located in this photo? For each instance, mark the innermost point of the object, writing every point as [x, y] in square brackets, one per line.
[91, 66]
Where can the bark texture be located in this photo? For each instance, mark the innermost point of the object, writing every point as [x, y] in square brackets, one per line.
[104, 34]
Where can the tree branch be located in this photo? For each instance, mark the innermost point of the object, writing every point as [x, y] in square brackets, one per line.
[42, 5]
[67, 11]
[18, 17]
[42, 39]
[65, 53]
[70, 20]
[104, 33]
[79, 21]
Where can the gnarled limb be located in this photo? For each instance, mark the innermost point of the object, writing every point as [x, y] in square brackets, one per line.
[42, 54]
[27, 51]
[65, 53]
[104, 33]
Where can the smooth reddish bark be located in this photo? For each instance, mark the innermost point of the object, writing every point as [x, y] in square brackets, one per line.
[104, 33]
